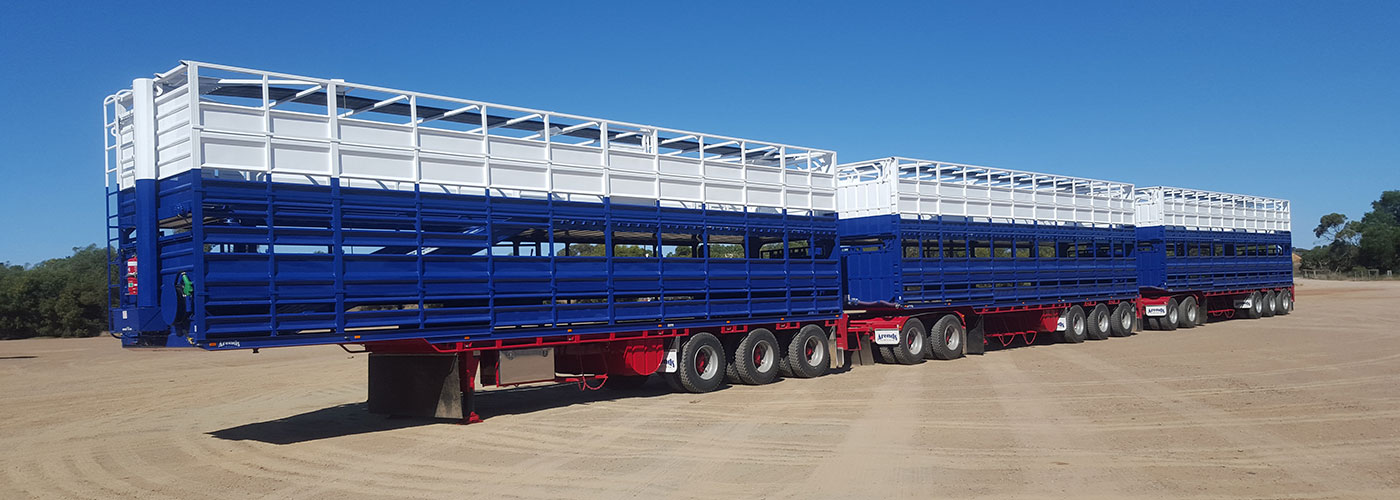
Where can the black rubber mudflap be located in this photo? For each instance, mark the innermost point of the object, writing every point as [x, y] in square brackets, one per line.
[976, 338]
[415, 385]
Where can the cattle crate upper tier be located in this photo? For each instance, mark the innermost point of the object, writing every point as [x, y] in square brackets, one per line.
[286, 128]
[925, 189]
[1209, 210]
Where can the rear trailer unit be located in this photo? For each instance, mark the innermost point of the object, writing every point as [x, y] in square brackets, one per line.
[1205, 254]
[938, 257]
[253, 209]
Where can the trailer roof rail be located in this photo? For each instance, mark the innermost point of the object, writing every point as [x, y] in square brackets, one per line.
[924, 188]
[268, 125]
[1210, 210]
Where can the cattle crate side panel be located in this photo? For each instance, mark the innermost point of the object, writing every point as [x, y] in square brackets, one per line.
[274, 263]
[264, 209]
[951, 260]
[1213, 260]
[920, 233]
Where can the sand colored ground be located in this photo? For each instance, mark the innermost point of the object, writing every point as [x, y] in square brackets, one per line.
[1301, 406]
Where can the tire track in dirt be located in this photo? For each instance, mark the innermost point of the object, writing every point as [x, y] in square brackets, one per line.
[1244, 433]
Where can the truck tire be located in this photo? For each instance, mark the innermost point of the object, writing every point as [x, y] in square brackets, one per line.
[1076, 329]
[913, 341]
[947, 338]
[1270, 304]
[1173, 316]
[754, 359]
[701, 364]
[1285, 302]
[1122, 320]
[1189, 313]
[806, 353]
[626, 382]
[1099, 323]
[1256, 306]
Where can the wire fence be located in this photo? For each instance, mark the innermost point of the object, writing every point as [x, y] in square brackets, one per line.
[1353, 275]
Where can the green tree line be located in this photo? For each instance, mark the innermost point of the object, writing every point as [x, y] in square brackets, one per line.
[64, 297]
[1373, 242]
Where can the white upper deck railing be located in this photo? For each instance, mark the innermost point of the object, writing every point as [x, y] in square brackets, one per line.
[924, 189]
[1197, 209]
[265, 125]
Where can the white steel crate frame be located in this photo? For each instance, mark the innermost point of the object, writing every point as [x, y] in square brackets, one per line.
[266, 125]
[926, 189]
[1210, 210]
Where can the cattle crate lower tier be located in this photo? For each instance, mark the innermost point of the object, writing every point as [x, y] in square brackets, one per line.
[246, 263]
[895, 262]
[1176, 259]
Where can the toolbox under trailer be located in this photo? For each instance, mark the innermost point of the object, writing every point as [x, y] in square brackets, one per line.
[1205, 254]
[452, 237]
[940, 258]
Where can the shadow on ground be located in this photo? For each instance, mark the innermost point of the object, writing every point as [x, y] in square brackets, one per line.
[355, 418]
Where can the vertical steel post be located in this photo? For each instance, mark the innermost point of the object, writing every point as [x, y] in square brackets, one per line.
[147, 230]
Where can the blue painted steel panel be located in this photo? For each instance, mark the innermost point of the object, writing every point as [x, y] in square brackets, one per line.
[277, 264]
[952, 261]
[1180, 260]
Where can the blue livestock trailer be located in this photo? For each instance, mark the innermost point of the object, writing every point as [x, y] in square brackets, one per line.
[254, 209]
[972, 253]
[462, 244]
[1208, 254]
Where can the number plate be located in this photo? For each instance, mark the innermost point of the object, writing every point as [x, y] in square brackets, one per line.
[1155, 310]
[887, 337]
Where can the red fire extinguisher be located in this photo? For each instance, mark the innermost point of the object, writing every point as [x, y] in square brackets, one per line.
[131, 276]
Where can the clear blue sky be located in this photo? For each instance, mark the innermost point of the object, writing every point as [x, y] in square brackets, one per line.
[1299, 100]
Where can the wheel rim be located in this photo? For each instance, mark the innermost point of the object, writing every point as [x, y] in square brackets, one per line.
[915, 342]
[951, 338]
[763, 356]
[812, 351]
[705, 364]
[1173, 315]
[1191, 314]
[1127, 321]
[1283, 300]
[1103, 322]
[1258, 304]
[1078, 326]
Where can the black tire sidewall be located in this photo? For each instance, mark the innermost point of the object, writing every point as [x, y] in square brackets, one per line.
[938, 344]
[1072, 315]
[744, 367]
[1123, 310]
[902, 354]
[795, 358]
[1166, 321]
[690, 378]
[1188, 305]
[1091, 326]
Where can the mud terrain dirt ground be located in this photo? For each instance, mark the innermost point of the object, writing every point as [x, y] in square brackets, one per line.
[1300, 406]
